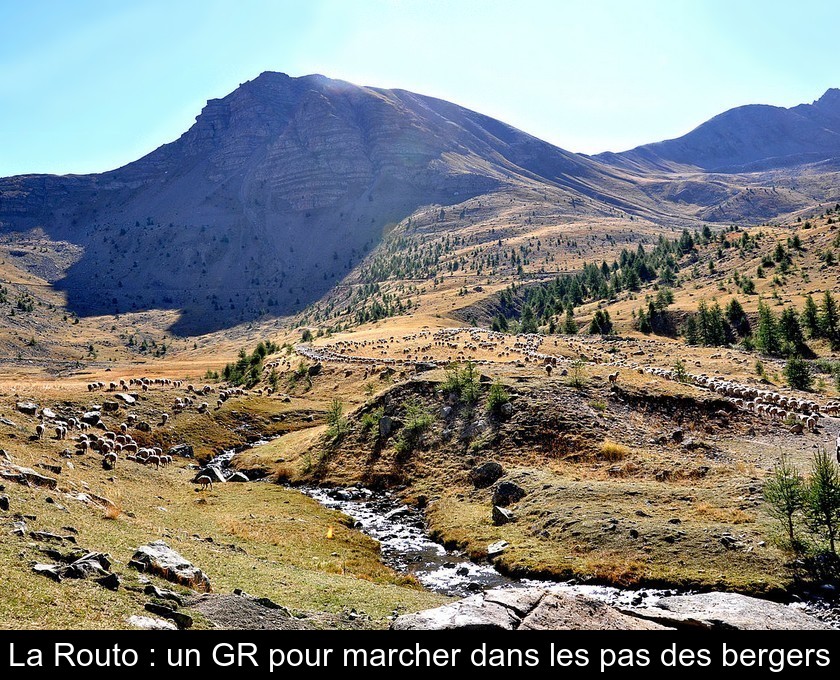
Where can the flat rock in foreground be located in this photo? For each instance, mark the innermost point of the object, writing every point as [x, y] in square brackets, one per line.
[555, 609]
[524, 609]
[158, 558]
[726, 611]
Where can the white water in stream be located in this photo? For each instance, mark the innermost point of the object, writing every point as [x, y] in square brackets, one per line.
[407, 547]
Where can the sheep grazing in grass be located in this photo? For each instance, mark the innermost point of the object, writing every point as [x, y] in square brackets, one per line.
[203, 407]
[163, 418]
[154, 459]
[613, 377]
[204, 481]
[109, 461]
[39, 431]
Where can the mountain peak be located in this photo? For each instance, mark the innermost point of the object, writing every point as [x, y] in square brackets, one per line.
[830, 98]
[289, 181]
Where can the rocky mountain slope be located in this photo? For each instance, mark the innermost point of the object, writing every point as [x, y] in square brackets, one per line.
[275, 193]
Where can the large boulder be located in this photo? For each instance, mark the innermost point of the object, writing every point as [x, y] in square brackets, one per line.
[183, 450]
[486, 474]
[150, 623]
[507, 493]
[28, 408]
[523, 609]
[315, 369]
[92, 417]
[89, 565]
[158, 558]
[726, 611]
[502, 516]
[27, 476]
[473, 613]
[126, 398]
[564, 611]
[386, 426]
[213, 471]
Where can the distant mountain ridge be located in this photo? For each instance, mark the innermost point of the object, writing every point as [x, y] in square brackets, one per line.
[280, 189]
[746, 139]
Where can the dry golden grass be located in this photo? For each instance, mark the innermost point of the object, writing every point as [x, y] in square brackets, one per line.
[725, 515]
[612, 452]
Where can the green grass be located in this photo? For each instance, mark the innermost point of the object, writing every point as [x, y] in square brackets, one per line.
[282, 550]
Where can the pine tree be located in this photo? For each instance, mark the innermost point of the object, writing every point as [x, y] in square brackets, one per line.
[767, 334]
[824, 498]
[690, 332]
[601, 323]
[686, 242]
[785, 493]
[643, 322]
[798, 373]
[830, 319]
[811, 318]
[737, 318]
[791, 332]
[570, 326]
[528, 323]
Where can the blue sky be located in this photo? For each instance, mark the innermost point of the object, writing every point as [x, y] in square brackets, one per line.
[89, 85]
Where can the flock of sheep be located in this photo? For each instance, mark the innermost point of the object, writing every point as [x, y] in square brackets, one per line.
[113, 444]
[143, 383]
[799, 413]
[461, 344]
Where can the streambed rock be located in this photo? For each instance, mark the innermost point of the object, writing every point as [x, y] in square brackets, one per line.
[524, 609]
[213, 471]
[556, 609]
[726, 611]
